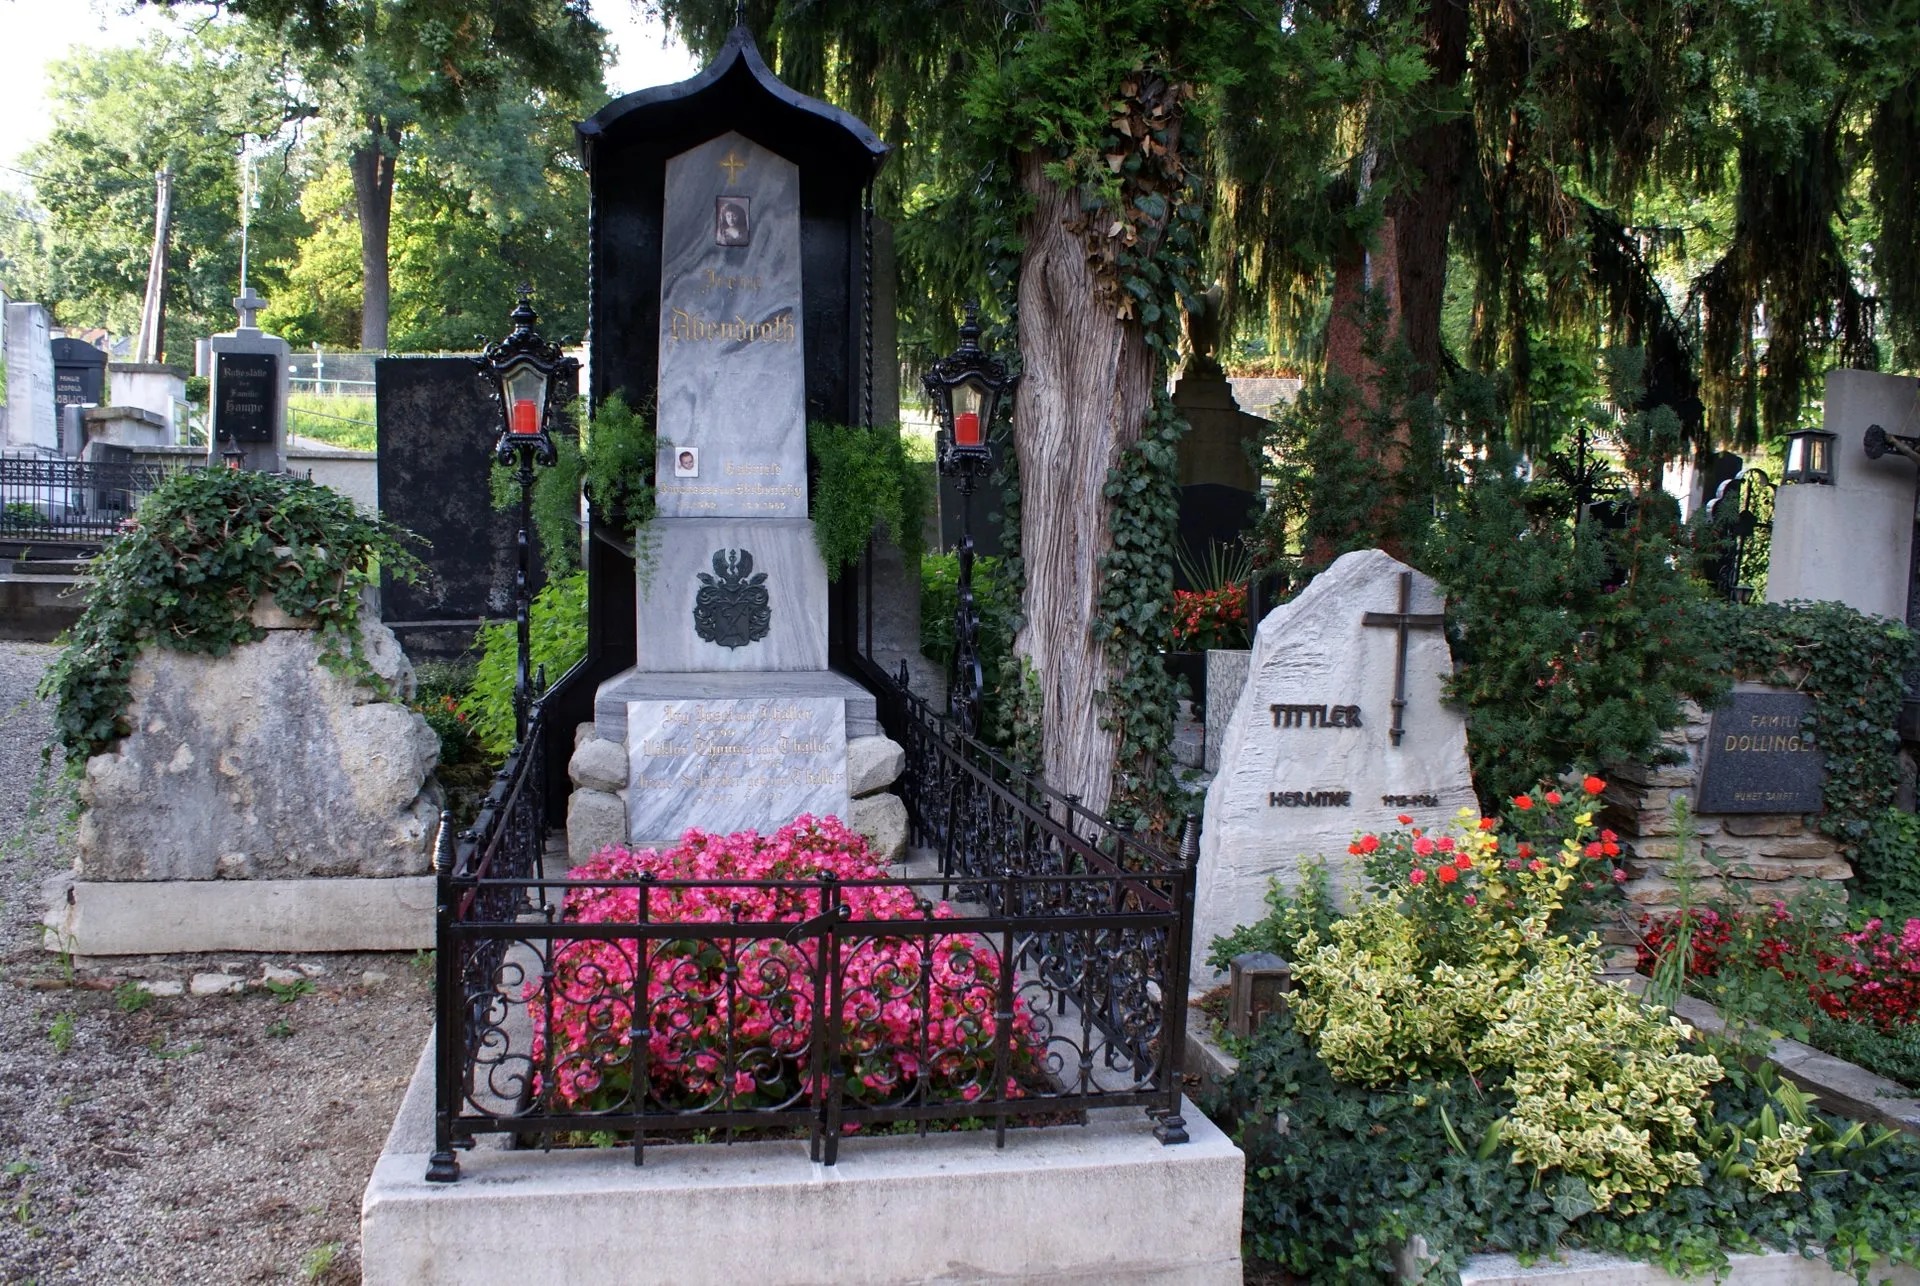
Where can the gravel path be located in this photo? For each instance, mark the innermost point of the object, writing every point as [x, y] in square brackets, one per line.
[189, 1139]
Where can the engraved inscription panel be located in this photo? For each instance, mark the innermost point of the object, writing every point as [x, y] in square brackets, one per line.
[734, 765]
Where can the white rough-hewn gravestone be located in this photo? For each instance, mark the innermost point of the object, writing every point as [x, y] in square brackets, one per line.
[1311, 755]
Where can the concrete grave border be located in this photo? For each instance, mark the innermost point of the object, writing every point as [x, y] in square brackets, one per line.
[166, 917]
[1101, 1203]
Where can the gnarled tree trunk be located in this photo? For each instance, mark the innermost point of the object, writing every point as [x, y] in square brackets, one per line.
[1085, 391]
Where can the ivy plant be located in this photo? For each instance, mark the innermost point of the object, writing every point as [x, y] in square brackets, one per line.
[865, 478]
[185, 571]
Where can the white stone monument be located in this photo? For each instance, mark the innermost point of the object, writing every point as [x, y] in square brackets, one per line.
[1341, 728]
[731, 717]
[1851, 541]
[31, 420]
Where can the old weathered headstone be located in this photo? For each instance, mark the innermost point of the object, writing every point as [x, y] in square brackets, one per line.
[1341, 728]
[31, 418]
[79, 373]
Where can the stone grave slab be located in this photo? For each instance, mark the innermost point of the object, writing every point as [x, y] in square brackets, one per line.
[732, 401]
[732, 595]
[1316, 748]
[1760, 757]
[754, 763]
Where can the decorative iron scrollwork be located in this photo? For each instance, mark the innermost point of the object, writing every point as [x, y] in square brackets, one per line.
[732, 608]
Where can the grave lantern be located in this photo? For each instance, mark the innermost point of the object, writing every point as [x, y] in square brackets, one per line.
[525, 373]
[520, 370]
[1809, 456]
[965, 390]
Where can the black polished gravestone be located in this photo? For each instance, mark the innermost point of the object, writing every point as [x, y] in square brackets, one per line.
[247, 397]
[1761, 757]
[436, 428]
[79, 373]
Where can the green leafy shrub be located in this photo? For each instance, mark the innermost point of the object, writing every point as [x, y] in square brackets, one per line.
[557, 633]
[617, 452]
[1453, 1069]
[187, 568]
[554, 504]
[865, 478]
[439, 687]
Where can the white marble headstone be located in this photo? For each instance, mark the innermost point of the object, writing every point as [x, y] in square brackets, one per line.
[732, 394]
[1309, 759]
[734, 765]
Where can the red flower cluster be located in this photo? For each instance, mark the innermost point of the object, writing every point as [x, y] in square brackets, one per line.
[1209, 618]
[1869, 976]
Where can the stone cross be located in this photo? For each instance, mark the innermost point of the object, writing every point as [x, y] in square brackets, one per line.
[1402, 620]
[249, 305]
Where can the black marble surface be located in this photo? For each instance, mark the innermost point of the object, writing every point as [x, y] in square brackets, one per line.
[1761, 757]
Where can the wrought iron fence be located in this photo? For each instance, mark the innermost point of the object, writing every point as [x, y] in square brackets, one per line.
[1034, 967]
[49, 498]
[1741, 514]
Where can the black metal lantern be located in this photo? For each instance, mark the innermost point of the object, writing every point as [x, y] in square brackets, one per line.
[1809, 456]
[965, 389]
[525, 375]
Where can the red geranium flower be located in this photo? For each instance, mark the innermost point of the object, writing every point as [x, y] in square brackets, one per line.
[1447, 874]
[1523, 802]
[1593, 785]
[1416, 876]
[1553, 797]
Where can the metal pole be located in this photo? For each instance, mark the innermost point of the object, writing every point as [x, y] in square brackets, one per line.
[966, 621]
[523, 601]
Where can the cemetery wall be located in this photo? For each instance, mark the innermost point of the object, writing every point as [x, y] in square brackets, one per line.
[1760, 856]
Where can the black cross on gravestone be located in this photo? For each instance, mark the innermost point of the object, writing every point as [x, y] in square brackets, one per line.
[1402, 620]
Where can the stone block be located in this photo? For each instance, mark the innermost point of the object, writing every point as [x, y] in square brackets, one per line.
[1760, 868]
[216, 984]
[610, 701]
[1816, 846]
[1587, 1268]
[883, 820]
[895, 1211]
[596, 819]
[162, 917]
[262, 764]
[599, 765]
[873, 764]
[766, 604]
[725, 766]
[1762, 824]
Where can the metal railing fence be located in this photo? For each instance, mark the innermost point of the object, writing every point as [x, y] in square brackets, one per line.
[1035, 968]
[53, 498]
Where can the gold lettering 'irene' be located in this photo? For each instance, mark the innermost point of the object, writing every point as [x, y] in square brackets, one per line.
[694, 328]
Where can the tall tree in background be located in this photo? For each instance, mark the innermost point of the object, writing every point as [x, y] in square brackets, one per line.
[391, 72]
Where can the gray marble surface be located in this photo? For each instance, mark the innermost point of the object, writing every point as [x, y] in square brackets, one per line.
[754, 763]
[610, 702]
[680, 551]
[732, 355]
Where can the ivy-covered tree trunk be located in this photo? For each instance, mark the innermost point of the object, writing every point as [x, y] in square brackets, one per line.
[372, 163]
[1086, 387]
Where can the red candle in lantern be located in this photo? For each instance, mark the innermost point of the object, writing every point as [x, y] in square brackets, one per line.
[526, 417]
[966, 429]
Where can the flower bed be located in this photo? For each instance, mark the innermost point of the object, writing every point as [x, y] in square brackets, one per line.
[1453, 1069]
[729, 1020]
[1854, 994]
[1210, 618]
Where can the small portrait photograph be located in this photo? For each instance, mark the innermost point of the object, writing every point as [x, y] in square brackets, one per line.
[730, 227]
[686, 462]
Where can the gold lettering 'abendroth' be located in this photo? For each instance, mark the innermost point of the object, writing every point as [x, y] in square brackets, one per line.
[1304, 716]
[694, 328]
[1775, 743]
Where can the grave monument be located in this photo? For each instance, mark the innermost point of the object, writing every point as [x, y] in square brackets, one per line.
[1340, 728]
[249, 391]
[32, 423]
[727, 277]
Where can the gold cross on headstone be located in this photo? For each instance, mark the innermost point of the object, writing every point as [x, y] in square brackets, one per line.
[1402, 620]
[732, 165]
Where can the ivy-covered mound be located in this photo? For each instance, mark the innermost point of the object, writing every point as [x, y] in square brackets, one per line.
[185, 571]
[1453, 1070]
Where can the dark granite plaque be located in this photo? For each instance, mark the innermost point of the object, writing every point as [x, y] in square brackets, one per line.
[79, 373]
[1761, 757]
[247, 386]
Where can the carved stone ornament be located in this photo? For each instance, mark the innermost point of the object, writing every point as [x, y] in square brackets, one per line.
[731, 608]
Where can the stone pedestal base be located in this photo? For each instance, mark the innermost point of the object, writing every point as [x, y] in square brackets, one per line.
[163, 917]
[949, 1208]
